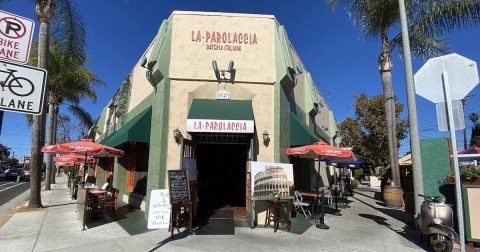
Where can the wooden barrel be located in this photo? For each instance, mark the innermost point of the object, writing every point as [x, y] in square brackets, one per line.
[393, 196]
[409, 207]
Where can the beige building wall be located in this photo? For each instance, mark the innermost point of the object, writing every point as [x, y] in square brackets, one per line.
[192, 75]
[199, 38]
[141, 88]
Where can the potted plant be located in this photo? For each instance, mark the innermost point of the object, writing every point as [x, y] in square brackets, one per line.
[469, 174]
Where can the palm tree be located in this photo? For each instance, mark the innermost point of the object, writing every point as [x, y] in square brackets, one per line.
[474, 118]
[44, 10]
[377, 20]
[68, 81]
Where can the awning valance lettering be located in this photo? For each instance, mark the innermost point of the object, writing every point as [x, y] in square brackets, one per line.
[228, 116]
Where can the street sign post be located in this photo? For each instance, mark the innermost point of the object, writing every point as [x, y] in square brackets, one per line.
[22, 88]
[15, 37]
[432, 82]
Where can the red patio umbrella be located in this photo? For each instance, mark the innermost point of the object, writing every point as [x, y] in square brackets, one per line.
[71, 159]
[86, 147]
[321, 151]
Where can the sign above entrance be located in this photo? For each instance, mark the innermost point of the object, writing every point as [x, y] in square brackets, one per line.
[220, 126]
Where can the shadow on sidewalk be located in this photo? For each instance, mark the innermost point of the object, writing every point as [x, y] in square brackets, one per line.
[50, 206]
[178, 235]
[410, 233]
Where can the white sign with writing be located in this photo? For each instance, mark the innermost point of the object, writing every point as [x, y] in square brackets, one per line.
[15, 37]
[227, 126]
[222, 95]
[159, 210]
[22, 88]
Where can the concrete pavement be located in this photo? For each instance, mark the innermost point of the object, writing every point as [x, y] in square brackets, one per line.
[365, 226]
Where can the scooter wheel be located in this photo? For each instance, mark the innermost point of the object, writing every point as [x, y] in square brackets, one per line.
[440, 243]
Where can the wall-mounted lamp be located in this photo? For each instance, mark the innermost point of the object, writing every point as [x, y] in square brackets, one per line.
[221, 73]
[324, 128]
[266, 138]
[177, 135]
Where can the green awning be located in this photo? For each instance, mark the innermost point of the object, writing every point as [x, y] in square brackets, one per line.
[300, 134]
[135, 130]
[231, 116]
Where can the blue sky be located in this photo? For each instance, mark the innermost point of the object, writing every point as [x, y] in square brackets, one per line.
[342, 63]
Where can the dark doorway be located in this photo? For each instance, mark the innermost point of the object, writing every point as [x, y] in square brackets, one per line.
[221, 176]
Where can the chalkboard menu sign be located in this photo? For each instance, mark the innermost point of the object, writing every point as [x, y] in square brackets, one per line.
[179, 187]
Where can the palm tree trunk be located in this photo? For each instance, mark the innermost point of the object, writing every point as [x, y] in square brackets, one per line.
[38, 126]
[44, 12]
[54, 139]
[51, 108]
[385, 67]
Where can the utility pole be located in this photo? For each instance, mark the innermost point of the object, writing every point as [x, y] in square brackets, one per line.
[464, 100]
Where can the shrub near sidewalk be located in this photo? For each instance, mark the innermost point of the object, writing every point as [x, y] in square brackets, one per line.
[469, 174]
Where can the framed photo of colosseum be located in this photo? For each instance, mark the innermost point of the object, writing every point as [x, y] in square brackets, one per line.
[271, 179]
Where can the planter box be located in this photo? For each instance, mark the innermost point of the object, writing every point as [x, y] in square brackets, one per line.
[451, 181]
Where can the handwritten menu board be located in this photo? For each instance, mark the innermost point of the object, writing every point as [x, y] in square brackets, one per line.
[159, 210]
[179, 187]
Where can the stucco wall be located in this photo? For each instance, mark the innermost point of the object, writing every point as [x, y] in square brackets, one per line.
[195, 46]
[141, 88]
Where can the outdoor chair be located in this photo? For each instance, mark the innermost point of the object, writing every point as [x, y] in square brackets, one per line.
[104, 186]
[95, 207]
[112, 202]
[300, 205]
[327, 195]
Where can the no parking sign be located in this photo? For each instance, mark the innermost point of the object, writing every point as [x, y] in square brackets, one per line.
[15, 37]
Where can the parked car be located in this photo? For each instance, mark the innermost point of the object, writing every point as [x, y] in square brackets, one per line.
[26, 173]
[12, 173]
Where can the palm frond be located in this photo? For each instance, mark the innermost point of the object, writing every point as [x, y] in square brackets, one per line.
[84, 117]
[423, 46]
[437, 17]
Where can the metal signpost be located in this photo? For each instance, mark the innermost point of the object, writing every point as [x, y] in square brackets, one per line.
[432, 83]
[22, 88]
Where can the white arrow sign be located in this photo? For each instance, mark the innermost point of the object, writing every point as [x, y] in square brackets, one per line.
[22, 88]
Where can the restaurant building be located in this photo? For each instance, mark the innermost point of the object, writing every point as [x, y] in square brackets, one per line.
[212, 92]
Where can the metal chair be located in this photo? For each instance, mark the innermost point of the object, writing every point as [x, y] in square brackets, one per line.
[300, 205]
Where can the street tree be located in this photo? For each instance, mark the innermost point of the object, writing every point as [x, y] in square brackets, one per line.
[69, 82]
[379, 20]
[475, 137]
[367, 133]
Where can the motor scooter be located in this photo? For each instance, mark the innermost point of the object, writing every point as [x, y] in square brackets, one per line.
[436, 223]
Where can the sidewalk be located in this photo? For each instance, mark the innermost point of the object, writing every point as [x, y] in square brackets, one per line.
[365, 226]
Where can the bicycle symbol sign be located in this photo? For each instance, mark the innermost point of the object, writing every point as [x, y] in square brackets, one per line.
[15, 37]
[22, 88]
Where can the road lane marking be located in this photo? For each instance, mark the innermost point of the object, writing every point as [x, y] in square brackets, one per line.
[12, 186]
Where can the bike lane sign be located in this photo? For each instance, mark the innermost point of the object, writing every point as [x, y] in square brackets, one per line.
[16, 34]
[22, 88]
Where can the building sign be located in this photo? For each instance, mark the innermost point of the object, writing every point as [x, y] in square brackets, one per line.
[22, 88]
[224, 41]
[222, 95]
[15, 37]
[159, 210]
[224, 126]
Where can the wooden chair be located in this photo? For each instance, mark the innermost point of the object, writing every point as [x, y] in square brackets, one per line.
[95, 206]
[112, 201]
